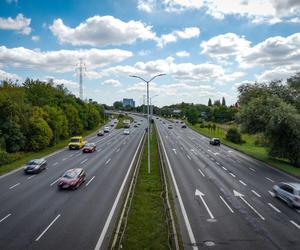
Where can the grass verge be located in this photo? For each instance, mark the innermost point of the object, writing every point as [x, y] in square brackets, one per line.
[121, 119]
[146, 227]
[249, 148]
[26, 156]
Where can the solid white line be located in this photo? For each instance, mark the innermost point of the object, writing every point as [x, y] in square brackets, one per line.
[30, 177]
[15, 185]
[232, 175]
[275, 208]
[255, 211]
[295, 224]
[85, 160]
[226, 204]
[243, 183]
[271, 193]
[201, 172]
[207, 208]
[224, 168]
[269, 179]
[90, 181]
[252, 169]
[118, 150]
[47, 228]
[54, 182]
[64, 159]
[5, 217]
[107, 161]
[189, 157]
[257, 194]
[112, 211]
[54, 164]
[183, 211]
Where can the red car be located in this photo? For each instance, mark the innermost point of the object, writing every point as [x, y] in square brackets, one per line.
[89, 148]
[72, 178]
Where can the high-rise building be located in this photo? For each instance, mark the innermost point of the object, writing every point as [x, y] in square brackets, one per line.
[128, 102]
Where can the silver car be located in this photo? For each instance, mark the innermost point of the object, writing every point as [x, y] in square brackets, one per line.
[35, 166]
[288, 192]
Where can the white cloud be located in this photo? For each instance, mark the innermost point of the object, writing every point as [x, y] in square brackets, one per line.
[8, 76]
[144, 52]
[20, 24]
[35, 38]
[111, 82]
[12, 1]
[60, 60]
[186, 33]
[182, 53]
[101, 31]
[181, 5]
[278, 73]
[146, 5]
[224, 45]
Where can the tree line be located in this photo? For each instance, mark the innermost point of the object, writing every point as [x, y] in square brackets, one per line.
[36, 114]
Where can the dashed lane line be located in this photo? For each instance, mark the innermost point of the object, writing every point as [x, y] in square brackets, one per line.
[5, 217]
[257, 194]
[15, 185]
[47, 228]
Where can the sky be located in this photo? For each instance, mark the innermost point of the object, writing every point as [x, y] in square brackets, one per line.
[206, 48]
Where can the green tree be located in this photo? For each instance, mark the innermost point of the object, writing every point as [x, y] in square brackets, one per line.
[192, 115]
[118, 105]
[234, 135]
[74, 122]
[223, 101]
[209, 102]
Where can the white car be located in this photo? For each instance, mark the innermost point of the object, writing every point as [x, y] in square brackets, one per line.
[106, 130]
[126, 132]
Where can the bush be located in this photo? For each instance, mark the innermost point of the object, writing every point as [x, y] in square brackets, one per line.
[202, 125]
[261, 140]
[4, 157]
[234, 135]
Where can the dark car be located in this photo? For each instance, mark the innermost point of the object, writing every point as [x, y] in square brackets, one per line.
[35, 166]
[183, 126]
[170, 126]
[100, 133]
[215, 142]
[135, 125]
[72, 178]
[89, 148]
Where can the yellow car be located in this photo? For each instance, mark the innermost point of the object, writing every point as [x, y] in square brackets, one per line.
[77, 142]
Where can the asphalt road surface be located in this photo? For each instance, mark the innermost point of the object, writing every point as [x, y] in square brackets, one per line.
[34, 214]
[224, 198]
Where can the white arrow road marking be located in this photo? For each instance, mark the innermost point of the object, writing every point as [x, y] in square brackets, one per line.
[269, 179]
[85, 160]
[90, 181]
[107, 161]
[237, 194]
[174, 151]
[271, 193]
[295, 224]
[257, 194]
[5, 217]
[243, 183]
[230, 209]
[200, 194]
[201, 172]
[47, 228]
[15, 185]
[275, 208]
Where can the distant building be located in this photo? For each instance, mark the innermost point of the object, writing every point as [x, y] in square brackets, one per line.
[176, 111]
[128, 102]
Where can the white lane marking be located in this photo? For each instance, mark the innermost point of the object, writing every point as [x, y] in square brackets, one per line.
[124, 142]
[243, 182]
[209, 150]
[201, 172]
[55, 163]
[216, 153]
[64, 159]
[47, 228]
[90, 181]
[252, 169]
[54, 182]
[224, 168]
[275, 208]
[295, 224]
[232, 175]
[181, 148]
[230, 209]
[247, 203]
[107, 161]
[271, 193]
[85, 160]
[257, 194]
[269, 179]
[30, 177]
[217, 163]
[112, 211]
[174, 151]
[189, 157]
[229, 151]
[71, 155]
[5, 217]
[200, 194]
[118, 150]
[15, 185]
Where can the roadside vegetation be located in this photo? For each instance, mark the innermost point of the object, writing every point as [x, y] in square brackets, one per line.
[147, 227]
[121, 119]
[37, 118]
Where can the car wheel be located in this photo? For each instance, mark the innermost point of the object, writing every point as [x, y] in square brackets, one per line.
[275, 194]
[290, 203]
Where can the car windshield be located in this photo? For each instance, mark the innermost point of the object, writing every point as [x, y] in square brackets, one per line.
[70, 174]
[75, 140]
[89, 145]
[34, 162]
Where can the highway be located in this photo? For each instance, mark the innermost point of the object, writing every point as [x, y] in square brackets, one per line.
[223, 198]
[35, 214]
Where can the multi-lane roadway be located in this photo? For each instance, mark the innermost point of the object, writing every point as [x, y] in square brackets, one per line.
[223, 198]
[35, 214]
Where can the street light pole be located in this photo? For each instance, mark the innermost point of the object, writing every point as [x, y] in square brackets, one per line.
[148, 115]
